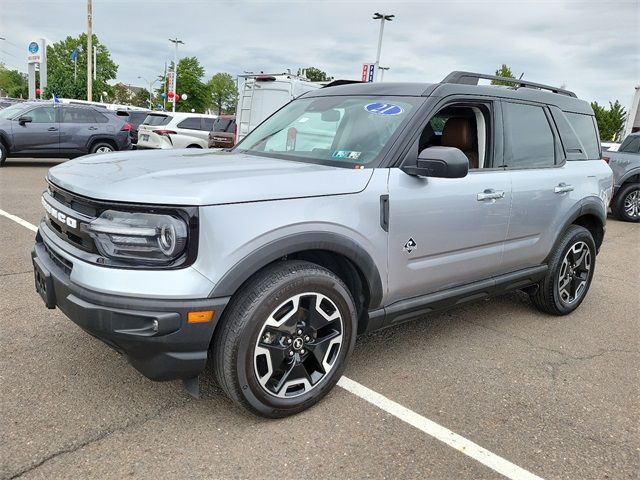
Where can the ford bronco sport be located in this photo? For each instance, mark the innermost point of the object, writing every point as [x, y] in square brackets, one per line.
[350, 209]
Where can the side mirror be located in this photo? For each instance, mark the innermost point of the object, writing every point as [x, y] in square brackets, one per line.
[441, 162]
[25, 119]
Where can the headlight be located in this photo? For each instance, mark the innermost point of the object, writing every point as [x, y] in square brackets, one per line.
[151, 238]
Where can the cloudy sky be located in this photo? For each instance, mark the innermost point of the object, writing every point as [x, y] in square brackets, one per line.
[591, 46]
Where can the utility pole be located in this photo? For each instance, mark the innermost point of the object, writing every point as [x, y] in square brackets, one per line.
[382, 17]
[89, 51]
[175, 41]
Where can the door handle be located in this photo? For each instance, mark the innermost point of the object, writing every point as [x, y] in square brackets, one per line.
[52, 129]
[490, 194]
[563, 188]
[93, 128]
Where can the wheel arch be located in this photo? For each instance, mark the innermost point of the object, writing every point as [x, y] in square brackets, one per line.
[335, 252]
[591, 214]
[632, 176]
[108, 140]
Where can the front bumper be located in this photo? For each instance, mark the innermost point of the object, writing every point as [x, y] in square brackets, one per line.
[152, 333]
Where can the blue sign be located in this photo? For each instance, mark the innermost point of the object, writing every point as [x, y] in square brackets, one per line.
[34, 47]
[380, 108]
[74, 55]
[372, 69]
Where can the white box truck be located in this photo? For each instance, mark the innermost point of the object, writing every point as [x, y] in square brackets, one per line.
[263, 94]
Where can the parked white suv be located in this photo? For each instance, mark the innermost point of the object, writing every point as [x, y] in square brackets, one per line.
[175, 130]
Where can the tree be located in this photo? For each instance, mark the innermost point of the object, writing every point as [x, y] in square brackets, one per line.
[316, 75]
[61, 81]
[610, 121]
[13, 83]
[141, 99]
[224, 93]
[120, 93]
[503, 71]
[190, 74]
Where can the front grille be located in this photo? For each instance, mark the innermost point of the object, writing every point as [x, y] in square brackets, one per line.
[61, 262]
[77, 208]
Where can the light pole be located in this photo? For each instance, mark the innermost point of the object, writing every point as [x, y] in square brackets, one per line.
[382, 17]
[150, 87]
[382, 70]
[89, 51]
[175, 41]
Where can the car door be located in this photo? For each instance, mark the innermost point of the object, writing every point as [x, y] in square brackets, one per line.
[448, 232]
[545, 186]
[77, 126]
[38, 131]
[192, 127]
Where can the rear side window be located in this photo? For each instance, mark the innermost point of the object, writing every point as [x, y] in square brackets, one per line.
[585, 129]
[631, 144]
[529, 139]
[156, 120]
[191, 123]
[77, 115]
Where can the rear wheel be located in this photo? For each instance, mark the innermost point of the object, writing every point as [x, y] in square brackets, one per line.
[570, 273]
[285, 339]
[626, 204]
[102, 147]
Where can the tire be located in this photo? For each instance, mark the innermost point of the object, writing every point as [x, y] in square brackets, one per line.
[626, 204]
[567, 264]
[3, 154]
[102, 147]
[251, 354]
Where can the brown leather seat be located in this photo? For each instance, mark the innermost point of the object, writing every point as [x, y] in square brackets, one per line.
[460, 133]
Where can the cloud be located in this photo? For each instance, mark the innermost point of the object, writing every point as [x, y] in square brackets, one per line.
[593, 47]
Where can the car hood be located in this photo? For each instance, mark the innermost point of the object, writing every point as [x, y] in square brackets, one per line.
[194, 177]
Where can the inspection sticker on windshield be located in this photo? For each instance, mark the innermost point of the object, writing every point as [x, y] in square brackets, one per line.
[380, 108]
[346, 154]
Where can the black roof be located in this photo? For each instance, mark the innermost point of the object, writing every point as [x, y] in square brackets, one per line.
[462, 83]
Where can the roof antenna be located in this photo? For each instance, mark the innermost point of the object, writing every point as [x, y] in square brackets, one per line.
[521, 75]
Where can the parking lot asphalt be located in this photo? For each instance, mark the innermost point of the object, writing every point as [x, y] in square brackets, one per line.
[557, 396]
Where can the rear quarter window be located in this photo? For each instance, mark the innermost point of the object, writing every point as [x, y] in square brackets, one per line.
[585, 128]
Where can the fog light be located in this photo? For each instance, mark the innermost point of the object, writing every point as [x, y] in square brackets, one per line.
[200, 317]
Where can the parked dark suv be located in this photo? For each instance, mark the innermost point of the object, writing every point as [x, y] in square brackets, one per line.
[135, 118]
[223, 133]
[44, 129]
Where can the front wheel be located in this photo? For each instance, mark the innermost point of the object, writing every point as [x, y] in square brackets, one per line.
[284, 341]
[626, 204]
[3, 154]
[571, 269]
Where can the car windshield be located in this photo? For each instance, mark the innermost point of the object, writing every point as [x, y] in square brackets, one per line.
[12, 110]
[223, 125]
[342, 131]
[156, 120]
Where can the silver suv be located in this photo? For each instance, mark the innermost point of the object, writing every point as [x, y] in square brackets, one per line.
[351, 209]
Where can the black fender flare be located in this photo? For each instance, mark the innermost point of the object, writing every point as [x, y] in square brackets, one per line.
[587, 206]
[631, 173]
[299, 242]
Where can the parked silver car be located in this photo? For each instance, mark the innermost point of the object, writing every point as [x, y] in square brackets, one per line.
[625, 163]
[47, 129]
[351, 209]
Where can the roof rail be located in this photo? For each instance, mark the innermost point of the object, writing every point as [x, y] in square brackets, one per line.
[470, 78]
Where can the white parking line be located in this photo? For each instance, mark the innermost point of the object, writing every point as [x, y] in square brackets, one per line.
[414, 419]
[22, 222]
[438, 432]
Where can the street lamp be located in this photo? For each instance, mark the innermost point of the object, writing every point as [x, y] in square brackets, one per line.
[382, 17]
[175, 41]
[382, 70]
[150, 87]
